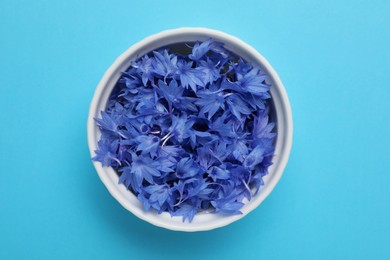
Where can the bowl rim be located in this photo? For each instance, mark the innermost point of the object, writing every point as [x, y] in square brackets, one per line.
[285, 106]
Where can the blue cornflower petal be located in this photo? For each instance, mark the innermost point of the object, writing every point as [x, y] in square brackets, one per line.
[173, 94]
[145, 201]
[109, 124]
[187, 211]
[255, 157]
[148, 144]
[211, 71]
[253, 82]
[230, 208]
[240, 150]
[106, 153]
[145, 68]
[164, 164]
[189, 76]
[180, 128]
[262, 128]
[218, 173]
[222, 127]
[170, 151]
[210, 102]
[187, 168]
[242, 68]
[164, 64]
[238, 107]
[158, 193]
[200, 49]
[142, 168]
[218, 48]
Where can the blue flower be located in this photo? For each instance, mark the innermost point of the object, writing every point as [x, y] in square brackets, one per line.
[195, 187]
[228, 207]
[187, 168]
[106, 153]
[164, 164]
[173, 94]
[255, 157]
[142, 168]
[238, 107]
[222, 127]
[211, 71]
[148, 144]
[254, 102]
[189, 133]
[240, 149]
[200, 49]
[201, 138]
[260, 171]
[187, 211]
[144, 68]
[164, 64]
[171, 152]
[253, 82]
[218, 173]
[180, 129]
[241, 68]
[210, 101]
[189, 76]
[221, 150]
[158, 193]
[219, 49]
[262, 129]
[109, 124]
[204, 158]
[144, 100]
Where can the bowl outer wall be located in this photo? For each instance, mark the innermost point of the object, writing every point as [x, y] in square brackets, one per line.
[202, 221]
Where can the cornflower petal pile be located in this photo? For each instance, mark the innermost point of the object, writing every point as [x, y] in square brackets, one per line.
[189, 132]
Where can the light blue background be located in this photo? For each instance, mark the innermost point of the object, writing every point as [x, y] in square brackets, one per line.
[333, 201]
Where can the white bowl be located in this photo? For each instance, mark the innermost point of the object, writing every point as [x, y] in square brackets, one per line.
[282, 109]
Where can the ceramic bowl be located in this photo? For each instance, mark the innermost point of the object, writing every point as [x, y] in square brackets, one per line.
[280, 109]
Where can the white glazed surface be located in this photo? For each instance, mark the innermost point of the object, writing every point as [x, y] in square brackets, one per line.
[202, 221]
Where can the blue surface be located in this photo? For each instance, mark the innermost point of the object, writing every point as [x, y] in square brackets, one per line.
[333, 201]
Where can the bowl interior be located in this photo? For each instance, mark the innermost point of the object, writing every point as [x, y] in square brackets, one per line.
[280, 112]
